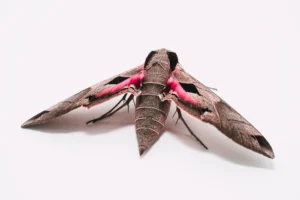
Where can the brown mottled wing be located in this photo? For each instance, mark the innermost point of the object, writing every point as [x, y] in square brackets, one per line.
[85, 98]
[212, 109]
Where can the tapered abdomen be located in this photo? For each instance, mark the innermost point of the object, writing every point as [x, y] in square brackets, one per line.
[151, 113]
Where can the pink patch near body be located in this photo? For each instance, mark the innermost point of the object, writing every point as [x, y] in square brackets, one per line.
[134, 80]
[181, 93]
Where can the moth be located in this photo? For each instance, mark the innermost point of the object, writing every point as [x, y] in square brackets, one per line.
[155, 84]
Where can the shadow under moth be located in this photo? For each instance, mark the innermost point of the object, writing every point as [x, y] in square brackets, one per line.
[155, 84]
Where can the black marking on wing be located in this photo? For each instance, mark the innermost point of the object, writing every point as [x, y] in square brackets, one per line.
[190, 88]
[117, 80]
[261, 140]
[39, 115]
[203, 110]
[91, 98]
[173, 59]
[114, 81]
[175, 95]
[150, 55]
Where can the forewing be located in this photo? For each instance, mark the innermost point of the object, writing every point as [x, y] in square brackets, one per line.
[199, 101]
[123, 83]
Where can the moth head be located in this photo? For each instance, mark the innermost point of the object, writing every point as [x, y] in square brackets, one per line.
[164, 55]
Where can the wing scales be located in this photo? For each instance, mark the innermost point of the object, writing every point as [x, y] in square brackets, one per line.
[221, 115]
[83, 98]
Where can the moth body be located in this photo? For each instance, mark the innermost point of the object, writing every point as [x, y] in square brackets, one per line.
[151, 112]
[155, 84]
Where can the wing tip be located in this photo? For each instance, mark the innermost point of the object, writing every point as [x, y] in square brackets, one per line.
[269, 153]
[28, 123]
[25, 124]
[266, 148]
[33, 120]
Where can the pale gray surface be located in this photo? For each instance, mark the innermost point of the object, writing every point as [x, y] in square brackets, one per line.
[51, 50]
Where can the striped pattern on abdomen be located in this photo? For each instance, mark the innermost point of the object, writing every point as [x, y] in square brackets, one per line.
[150, 117]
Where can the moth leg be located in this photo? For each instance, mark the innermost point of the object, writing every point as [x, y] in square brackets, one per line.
[184, 122]
[112, 111]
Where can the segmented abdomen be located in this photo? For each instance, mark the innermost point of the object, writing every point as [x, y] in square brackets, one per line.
[150, 114]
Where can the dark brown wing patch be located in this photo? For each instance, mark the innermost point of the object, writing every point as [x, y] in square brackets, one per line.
[39, 115]
[188, 87]
[117, 80]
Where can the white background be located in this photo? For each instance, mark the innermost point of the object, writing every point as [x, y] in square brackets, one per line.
[49, 50]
